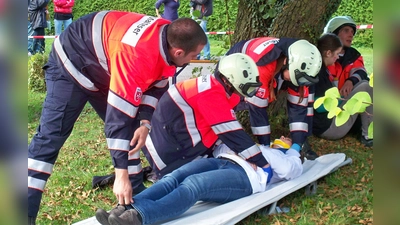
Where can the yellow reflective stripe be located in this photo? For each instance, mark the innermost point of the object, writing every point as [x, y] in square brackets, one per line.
[122, 105]
[263, 130]
[97, 39]
[40, 166]
[36, 183]
[298, 126]
[226, 127]
[118, 144]
[80, 78]
[154, 154]
[189, 115]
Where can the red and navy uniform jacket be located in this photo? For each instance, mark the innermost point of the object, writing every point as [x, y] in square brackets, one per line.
[189, 120]
[125, 56]
[63, 6]
[350, 66]
[265, 51]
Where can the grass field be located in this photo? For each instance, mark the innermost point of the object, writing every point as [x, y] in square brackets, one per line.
[344, 197]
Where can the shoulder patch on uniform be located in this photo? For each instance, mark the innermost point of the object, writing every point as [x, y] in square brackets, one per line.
[135, 32]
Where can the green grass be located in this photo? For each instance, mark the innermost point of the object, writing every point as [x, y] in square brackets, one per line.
[344, 197]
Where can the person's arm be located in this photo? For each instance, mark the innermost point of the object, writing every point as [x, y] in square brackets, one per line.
[146, 109]
[221, 117]
[60, 3]
[284, 166]
[157, 6]
[69, 4]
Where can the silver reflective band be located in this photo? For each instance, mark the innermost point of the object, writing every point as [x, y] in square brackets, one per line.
[79, 77]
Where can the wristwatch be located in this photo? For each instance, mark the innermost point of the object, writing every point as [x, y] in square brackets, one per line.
[147, 125]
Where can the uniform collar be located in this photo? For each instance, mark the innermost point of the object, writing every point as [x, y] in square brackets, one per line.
[164, 46]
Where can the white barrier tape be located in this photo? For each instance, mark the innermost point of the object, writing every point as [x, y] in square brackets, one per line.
[361, 27]
[42, 37]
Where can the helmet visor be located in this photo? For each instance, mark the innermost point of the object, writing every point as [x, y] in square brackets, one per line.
[303, 79]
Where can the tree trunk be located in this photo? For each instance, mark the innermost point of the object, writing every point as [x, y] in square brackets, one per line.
[303, 19]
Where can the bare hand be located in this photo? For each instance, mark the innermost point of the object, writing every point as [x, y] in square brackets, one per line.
[139, 138]
[346, 89]
[122, 187]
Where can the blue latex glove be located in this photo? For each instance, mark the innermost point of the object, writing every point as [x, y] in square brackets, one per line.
[268, 170]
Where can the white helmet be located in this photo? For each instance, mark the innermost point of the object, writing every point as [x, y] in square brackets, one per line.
[241, 71]
[336, 23]
[304, 63]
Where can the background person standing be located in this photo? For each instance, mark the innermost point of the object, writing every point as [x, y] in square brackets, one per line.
[170, 9]
[62, 14]
[205, 7]
[37, 15]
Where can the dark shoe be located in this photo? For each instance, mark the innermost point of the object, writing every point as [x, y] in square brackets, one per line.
[152, 177]
[129, 217]
[367, 142]
[31, 220]
[102, 215]
[307, 152]
[103, 181]
[311, 155]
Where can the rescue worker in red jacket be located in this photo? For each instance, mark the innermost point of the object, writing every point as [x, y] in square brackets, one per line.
[283, 64]
[119, 62]
[194, 114]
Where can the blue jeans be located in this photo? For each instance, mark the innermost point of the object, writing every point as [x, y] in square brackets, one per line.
[30, 33]
[59, 23]
[206, 49]
[38, 44]
[210, 179]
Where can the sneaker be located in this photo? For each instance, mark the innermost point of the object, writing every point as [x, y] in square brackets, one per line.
[102, 215]
[129, 217]
[367, 142]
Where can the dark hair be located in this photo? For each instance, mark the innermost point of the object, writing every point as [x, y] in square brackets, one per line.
[186, 34]
[328, 41]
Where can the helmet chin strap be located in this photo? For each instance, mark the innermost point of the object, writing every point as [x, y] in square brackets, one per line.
[227, 85]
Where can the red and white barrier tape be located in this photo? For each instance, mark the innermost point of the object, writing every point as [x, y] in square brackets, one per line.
[361, 27]
[368, 26]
